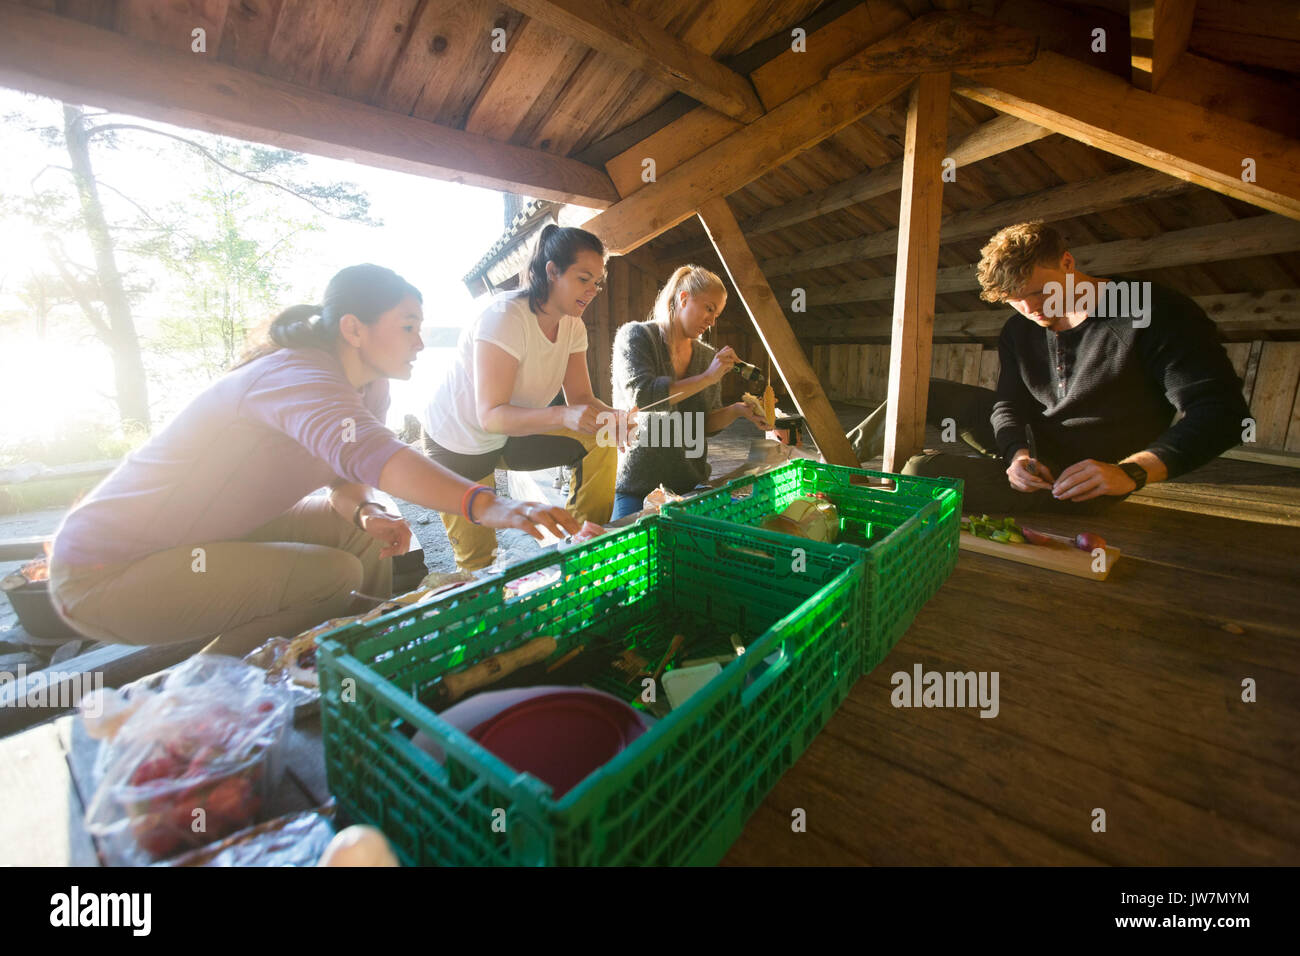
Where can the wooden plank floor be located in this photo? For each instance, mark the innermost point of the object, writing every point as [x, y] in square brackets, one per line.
[1124, 695]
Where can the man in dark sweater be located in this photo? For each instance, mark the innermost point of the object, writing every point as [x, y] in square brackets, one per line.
[1097, 369]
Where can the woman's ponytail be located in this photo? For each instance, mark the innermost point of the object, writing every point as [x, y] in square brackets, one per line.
[294, 328]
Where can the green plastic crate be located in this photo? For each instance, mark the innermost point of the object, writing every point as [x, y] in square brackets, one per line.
[908, 528]
[681, 792]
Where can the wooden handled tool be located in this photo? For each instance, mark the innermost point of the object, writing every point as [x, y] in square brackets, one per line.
[491, 669]
[673, 648]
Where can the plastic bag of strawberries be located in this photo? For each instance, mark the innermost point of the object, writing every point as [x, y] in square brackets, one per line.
[196, 758]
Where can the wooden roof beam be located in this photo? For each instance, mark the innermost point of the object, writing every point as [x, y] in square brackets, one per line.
[999, 135]
[56, 56]
[1277, 310]
[1235, 239]
[639, 43]
[1171, 135]
[742, 157]
[934, 43]
[1059, 202]
[787, 75]
[1158, 32]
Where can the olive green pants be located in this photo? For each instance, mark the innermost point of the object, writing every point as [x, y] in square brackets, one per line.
[592, 467]
[292, 573]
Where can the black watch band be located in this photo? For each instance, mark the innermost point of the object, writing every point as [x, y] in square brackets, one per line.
[1134, 471]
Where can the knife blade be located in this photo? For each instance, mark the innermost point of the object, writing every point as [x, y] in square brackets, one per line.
[1032, 465]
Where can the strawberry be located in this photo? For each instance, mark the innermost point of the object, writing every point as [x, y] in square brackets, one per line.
[232, 801]
[156, 837]
[159, 768]
[203, 758]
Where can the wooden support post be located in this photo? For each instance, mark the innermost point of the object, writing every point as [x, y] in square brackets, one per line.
[920, 214]
[600, 348]
[619, 292]
[774, 329]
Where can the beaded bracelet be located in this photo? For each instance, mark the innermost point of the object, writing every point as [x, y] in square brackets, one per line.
[467, 502]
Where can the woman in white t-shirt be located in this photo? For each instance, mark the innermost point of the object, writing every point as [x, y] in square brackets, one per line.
[493, 407]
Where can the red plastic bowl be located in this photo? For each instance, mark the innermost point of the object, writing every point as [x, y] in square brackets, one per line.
[560, 738]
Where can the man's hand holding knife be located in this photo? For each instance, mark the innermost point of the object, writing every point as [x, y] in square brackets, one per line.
[1026, 472]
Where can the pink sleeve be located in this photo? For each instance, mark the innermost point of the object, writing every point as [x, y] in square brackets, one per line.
[316, 407]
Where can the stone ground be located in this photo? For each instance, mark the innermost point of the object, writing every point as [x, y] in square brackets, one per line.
[728, 450]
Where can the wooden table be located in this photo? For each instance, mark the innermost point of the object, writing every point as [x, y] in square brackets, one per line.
[1123, 695]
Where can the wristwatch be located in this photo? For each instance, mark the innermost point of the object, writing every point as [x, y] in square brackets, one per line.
[1134, 471]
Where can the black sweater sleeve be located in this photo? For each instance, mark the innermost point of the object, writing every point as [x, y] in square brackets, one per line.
[1183, 355]
[1015, 405]
[637, 373]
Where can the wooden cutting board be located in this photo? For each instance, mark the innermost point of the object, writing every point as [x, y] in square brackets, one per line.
[1055, 556]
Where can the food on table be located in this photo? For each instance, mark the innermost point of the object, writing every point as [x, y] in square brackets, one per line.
[588, 531]
[293, 660]
[531, 582]
[764, 408]
[437, 580]
[811, 516]
[194, 788]
[195, 760]
[1087, 541]
[1007, 531]
[359, 845]
[1035, 537]
[658, 498]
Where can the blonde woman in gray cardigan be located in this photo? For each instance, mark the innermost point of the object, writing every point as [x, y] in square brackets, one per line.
[663, 358]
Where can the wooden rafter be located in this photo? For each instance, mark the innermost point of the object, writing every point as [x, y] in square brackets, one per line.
[785, 76]
[59, 57]
[1171, 135]
[742, 157]
[774, 329]
[943, 41]
[999, 135]
[640, 44]
[1059, 202]
[1258, 32]
[1158, 32]
[797, 124]
[1274, 311]
[1235, 239]
[920, 213]
[1236, 93]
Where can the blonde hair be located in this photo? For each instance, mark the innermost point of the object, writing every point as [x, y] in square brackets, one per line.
[694, 279]
[1011, 255]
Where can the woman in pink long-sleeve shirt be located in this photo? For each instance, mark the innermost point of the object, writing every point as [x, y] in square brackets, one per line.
[208, 528]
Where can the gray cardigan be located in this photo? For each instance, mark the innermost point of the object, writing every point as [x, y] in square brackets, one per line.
[643, 373]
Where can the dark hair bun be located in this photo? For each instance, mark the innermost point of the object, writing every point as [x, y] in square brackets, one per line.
[292, 328]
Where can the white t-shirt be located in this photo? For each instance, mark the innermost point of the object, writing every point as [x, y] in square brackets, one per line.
[451, 417]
